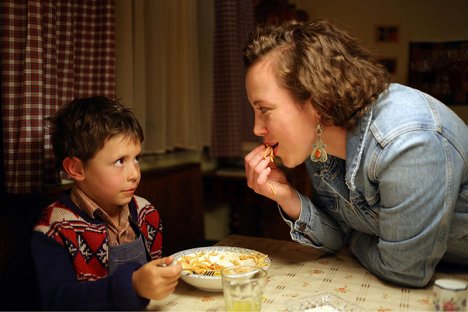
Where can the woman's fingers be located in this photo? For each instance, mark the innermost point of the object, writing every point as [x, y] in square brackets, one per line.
[258, 168]
[254, 152]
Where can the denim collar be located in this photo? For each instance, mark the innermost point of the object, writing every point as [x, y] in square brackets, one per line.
[355, 147]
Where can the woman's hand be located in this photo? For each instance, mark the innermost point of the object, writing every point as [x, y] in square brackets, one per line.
[262, 175]
[266, 179]
[156, 279]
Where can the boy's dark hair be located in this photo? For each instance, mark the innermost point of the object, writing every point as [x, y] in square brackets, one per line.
[80, 128]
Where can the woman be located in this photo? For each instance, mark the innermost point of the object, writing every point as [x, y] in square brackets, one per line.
[388, 164]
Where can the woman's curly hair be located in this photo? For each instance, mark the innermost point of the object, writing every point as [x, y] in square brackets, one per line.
[320, 63]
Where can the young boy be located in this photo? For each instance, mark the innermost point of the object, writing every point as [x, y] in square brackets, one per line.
[97, 247]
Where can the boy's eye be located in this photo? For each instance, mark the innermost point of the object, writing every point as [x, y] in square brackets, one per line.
[119, 162]
[137, 159]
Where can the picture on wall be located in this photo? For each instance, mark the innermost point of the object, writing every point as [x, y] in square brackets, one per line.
[387, 33]
[440, 69]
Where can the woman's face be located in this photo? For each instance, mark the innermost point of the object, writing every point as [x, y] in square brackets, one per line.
[280, 119]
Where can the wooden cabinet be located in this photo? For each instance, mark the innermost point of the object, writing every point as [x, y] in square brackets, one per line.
[177, 193]
[250, 213]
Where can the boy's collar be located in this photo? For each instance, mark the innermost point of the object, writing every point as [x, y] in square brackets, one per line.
[84, 203]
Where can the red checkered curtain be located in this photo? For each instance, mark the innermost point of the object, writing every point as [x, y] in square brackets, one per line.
[51, 52]
[232, 122]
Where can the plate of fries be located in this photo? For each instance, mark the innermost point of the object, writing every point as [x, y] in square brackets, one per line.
[201, 267]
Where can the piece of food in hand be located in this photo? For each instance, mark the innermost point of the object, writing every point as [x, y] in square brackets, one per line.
[269, 152]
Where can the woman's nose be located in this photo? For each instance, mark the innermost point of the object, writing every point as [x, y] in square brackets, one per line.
[259, 129]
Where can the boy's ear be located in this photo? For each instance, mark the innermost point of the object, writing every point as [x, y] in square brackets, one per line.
[74, 168]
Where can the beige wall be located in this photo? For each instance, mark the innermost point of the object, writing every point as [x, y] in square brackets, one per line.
[417, 20]
[206, 25]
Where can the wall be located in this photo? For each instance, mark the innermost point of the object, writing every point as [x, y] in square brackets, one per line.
[206, 26]
[417, 20]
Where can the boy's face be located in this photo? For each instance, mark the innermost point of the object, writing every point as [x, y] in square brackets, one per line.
[112, 175]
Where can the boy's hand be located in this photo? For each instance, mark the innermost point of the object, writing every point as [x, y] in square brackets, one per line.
[156, 279]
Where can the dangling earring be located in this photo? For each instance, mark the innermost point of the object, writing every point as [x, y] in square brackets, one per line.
[319, 153]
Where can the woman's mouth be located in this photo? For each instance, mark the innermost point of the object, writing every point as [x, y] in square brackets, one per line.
[270, 151]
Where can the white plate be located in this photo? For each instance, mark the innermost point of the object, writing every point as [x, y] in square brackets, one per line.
[325, 302]
[222, 256]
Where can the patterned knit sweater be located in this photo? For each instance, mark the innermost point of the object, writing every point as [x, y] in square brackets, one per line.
[79, 246]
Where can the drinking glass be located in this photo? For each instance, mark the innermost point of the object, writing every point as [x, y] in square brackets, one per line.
[243, 288]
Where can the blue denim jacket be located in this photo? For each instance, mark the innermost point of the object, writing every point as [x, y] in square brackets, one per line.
[400, 200]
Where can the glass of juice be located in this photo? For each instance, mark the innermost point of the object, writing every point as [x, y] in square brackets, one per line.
[243, 287]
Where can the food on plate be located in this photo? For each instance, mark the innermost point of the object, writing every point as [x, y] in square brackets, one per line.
[205, 262]
[201, 266]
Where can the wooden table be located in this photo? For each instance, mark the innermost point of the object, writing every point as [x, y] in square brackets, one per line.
[298, 272]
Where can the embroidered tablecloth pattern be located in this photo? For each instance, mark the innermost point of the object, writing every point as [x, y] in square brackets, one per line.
[299, 271]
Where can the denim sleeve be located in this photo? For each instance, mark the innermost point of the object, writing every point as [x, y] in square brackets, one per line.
[315, 228]
[418, 175]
